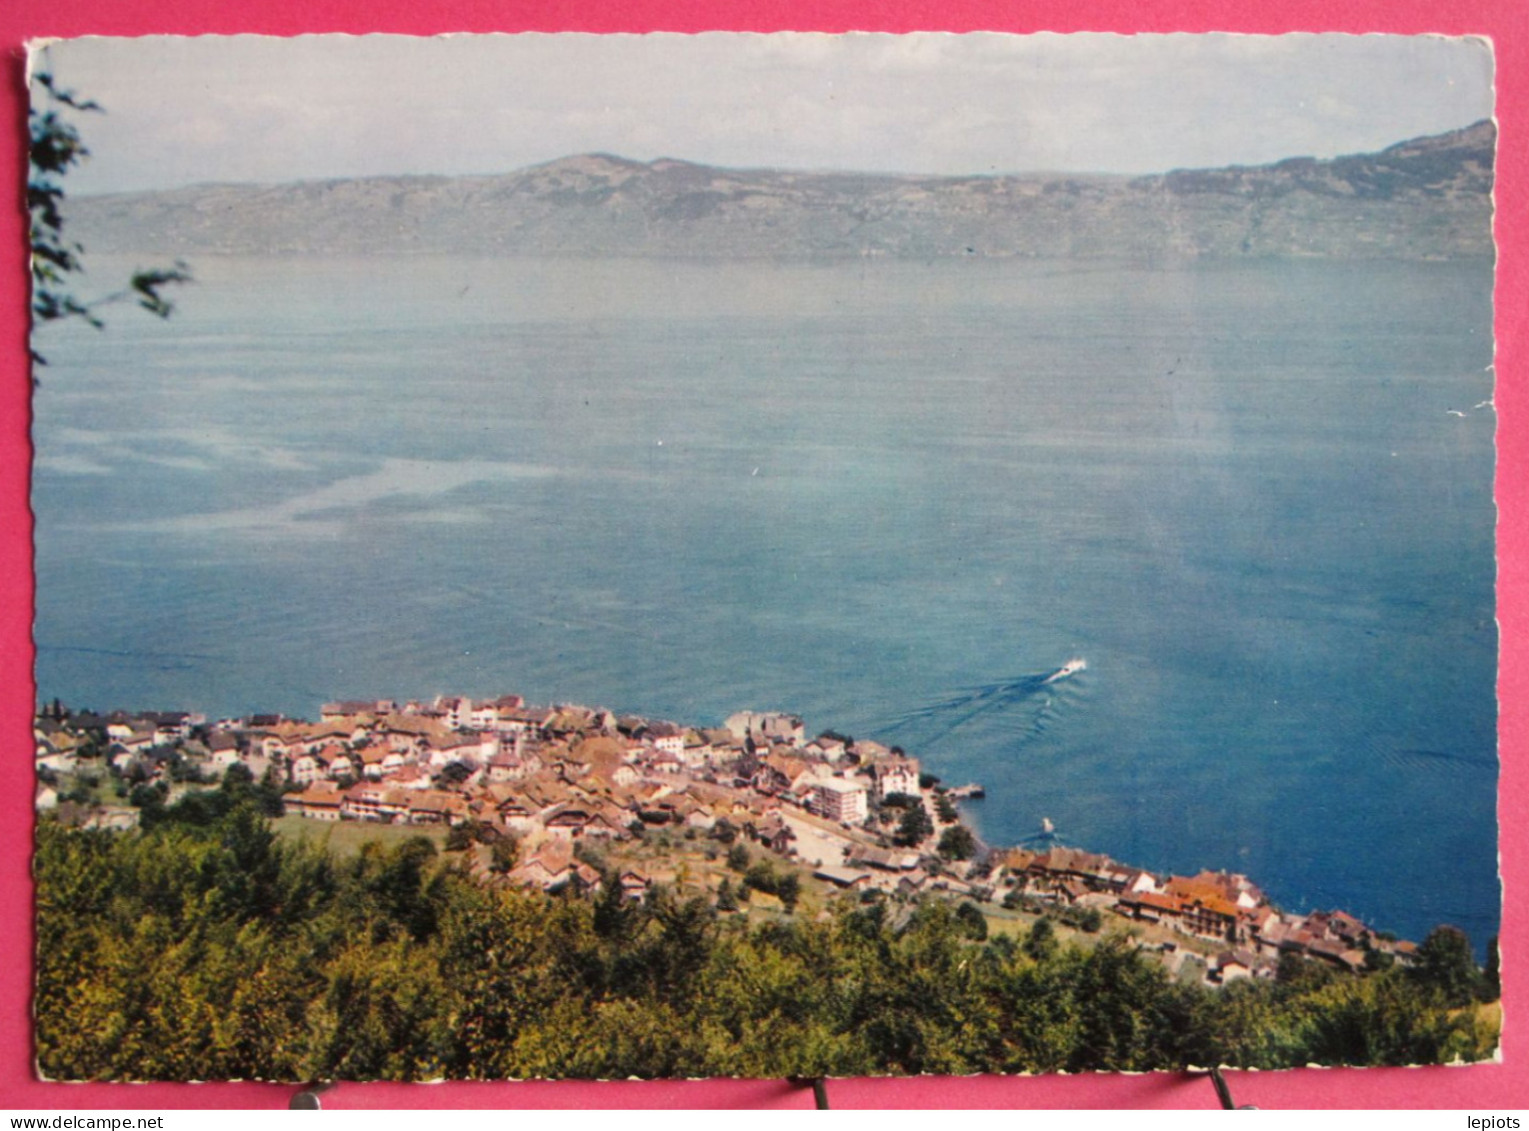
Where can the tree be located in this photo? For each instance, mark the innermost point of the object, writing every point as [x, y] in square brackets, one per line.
[1041, 943]
[1017, 900]
[914, 827]
[788, 889]
[1445, 963]
[504, 854]
[223, 951]
[957, 843]
[268, 793]
[1296, 974]
[612, 917]
[398, 883]
[55, 148]
[456, 773]
[250, 880]
[738, 857]
[81, 794]
[149, 800]
[973, 923]
[727, 899]
[237, 777]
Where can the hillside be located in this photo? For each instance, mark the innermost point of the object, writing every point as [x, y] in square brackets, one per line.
[1422, 199]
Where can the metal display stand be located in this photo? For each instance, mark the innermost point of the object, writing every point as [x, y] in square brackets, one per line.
[308, 1098]
[819, 1086]
[1224, 1094]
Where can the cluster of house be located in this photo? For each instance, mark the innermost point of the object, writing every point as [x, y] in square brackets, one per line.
[1216, 906]
[554, 777]
[550, 776]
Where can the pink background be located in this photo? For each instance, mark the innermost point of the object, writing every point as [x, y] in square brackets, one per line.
[1478, 1087]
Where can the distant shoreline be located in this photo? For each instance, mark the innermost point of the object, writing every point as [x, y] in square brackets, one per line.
[1428, 198]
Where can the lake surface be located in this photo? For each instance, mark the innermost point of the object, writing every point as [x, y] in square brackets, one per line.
[1256, 499]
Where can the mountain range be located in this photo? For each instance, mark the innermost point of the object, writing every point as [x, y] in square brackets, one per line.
[1427, 198]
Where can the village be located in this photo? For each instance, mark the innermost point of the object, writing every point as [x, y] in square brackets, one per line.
[571, 797]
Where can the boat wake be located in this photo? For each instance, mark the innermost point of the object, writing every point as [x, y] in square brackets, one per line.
[1033, 701]
[1439, 761]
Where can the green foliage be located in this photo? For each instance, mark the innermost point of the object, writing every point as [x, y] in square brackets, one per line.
[1384, 1019]
[944, 807]
[727, 899]
[238, 776]
[785, 886]
[1445, 964]
[149, 800]
[455, 773]
[204, 807]
[183, 769]
[56, 147]
[463, 836]
[504, 854]
[914, 828]
[738, 857]
[1087, 919]
[1018, 899]
[1041, 942]
[957, 843]
[788, 889]
[218, 951]
[397, 882]
[972, 921]
[612, 919]
[1296, 974]
[80, 794]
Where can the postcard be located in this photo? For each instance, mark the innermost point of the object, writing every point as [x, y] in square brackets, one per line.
[669, 556]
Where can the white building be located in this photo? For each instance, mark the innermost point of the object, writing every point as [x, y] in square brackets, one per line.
[838, 800]
[896, 775]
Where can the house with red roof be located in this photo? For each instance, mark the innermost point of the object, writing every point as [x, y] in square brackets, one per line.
[321, 801]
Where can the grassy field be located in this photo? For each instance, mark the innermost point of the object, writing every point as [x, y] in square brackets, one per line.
[691, 866]
[96, 782]
[345, 838]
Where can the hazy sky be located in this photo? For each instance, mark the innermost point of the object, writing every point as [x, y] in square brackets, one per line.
[248, 108]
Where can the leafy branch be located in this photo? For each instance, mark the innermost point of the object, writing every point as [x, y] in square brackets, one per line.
[56, 147]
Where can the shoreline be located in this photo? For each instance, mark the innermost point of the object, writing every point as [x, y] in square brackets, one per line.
[555, 776]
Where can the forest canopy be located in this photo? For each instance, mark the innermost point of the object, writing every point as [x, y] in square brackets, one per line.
[213, 950]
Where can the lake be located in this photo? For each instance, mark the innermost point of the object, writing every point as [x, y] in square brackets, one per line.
[890, 497]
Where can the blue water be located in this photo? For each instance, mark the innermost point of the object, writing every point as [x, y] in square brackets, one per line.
[856, 492]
